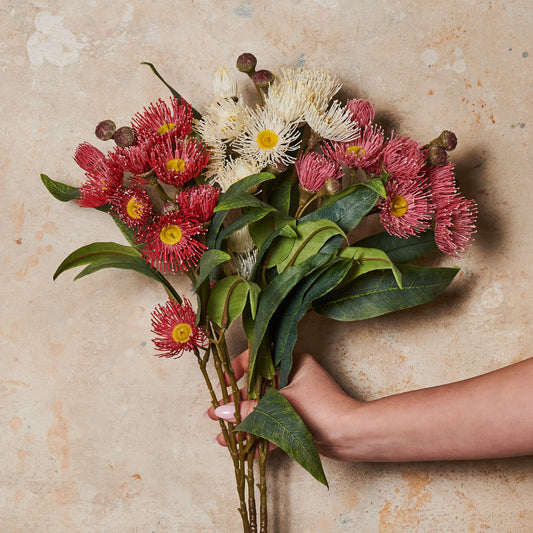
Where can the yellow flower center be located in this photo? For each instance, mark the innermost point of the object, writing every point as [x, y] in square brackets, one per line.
[398, 206]
[267, 139]
[355, 150]
[182, 333]
[134, 208]
[177, 165]
[165, 127]
[170, 234]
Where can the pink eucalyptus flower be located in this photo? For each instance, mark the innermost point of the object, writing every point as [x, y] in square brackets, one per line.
[169, 244]
[407, 208]
[314, 169]
[132, 205]
[363, 152]
[176, 329]
[199, 201]
[363, 112]
[161, 119]
[88, 156]
[175, 163]
[403, 158]
[455, 224]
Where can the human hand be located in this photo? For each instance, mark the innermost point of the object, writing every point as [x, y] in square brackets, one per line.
[324, 407]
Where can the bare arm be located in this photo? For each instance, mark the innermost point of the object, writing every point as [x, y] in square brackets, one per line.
[483, 417]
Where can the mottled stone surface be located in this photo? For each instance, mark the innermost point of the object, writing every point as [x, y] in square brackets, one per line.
[97, 435]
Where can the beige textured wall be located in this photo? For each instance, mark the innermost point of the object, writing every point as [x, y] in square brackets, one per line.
[97, 435]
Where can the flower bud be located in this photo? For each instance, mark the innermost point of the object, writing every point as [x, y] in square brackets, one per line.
[331, 186]
[437, 155]
[448, 140]
[263, 78]
[246, 63]
[105, 130]
[224, 83]
[124, 136]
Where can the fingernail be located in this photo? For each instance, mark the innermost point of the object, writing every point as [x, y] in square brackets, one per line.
[226, 411]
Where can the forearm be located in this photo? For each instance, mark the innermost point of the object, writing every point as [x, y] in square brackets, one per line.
[483, 417]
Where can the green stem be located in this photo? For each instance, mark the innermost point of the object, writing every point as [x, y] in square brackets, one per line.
[230, 438]
[263, 516]
[252, 512]
[152, 180]
[302, 208]
[235, 445]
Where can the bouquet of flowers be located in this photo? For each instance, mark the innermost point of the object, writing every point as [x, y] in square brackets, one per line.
[256, 202]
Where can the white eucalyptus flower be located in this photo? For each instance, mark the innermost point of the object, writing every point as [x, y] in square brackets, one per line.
[241, 241]
[321, 85]
[268, 139]
[289, 100]
[223, 121]
[241, 264]
[224, 83]
[235, 170]
[334, 124]
[217, 159]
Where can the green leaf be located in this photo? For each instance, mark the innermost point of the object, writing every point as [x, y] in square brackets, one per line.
[246, 184]
[251, 215]
[236, 189]
[346, 209]
[275, 420]
[399, 249]
[101, 255]
[228, 298]
[127, 232]
[377, 292]
[209, 261]
[376, 185]
[240, 200]
[284, 330]
[312, 236]
[287, 231]
[272, 296]
[175, 93]
[368, 259]
[261, 230]
[280, 196]
[60, 191]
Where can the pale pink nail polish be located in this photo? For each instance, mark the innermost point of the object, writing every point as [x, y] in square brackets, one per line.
[226, 411]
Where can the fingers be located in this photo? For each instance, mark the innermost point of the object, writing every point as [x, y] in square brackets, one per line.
[243, 396]
[227, 411]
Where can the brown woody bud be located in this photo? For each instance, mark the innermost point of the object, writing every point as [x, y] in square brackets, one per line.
[331, 186]
[448, 140]
[437, 155]
[124, 136]
[246, 63]
[263, 78]
[105, 130]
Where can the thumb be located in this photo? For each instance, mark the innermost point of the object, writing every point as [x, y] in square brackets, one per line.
[227, 411]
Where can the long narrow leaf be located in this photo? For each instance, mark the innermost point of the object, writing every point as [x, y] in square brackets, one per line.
[273, 294]
[399, 249]
[175, 93]
[60, 191]
[275, 420]
[347, 210]
[284, 330]
[100, 255]
[377, 293]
